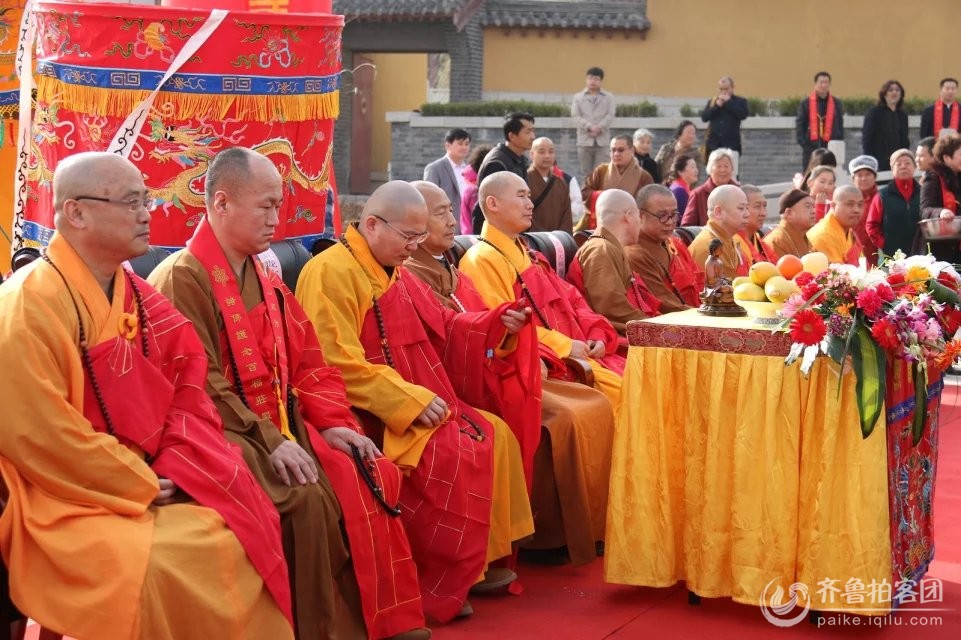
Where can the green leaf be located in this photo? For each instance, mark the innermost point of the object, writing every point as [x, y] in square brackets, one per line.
[920, 402]
[870, 368]
[943, 294]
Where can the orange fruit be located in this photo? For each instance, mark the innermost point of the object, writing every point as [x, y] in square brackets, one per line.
[789, 266]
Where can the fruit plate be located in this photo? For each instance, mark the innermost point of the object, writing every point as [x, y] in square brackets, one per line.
[762, 312]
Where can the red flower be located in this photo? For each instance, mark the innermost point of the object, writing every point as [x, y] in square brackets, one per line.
[896, 279]
[951, 320]
[886, 334]
[870, 303]
[803, 278]
[810, 290]
[885, 292]
[948, 280]
[807, 327]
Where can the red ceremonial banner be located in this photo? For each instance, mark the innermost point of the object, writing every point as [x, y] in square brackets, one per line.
[268, 81]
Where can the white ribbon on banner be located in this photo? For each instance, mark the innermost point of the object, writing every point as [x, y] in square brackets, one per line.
[122, 142]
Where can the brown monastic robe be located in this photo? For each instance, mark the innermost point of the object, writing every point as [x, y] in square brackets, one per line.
[607, 279]
[553, 212]
[572, 465]
[787, 241]
[607, 176]
[323, 585]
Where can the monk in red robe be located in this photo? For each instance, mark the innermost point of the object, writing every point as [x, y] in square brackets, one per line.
[568, 462]
[408, 361]
[128, 515]
[289, 412]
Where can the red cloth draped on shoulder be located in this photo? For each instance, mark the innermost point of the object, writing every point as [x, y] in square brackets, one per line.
[277, 335]
[637, 293]
[159, 405]
[446, 500]
[390, 594]
[566, 311]
[684, 276]
[510, 387]
[820, 130]
[939, 117]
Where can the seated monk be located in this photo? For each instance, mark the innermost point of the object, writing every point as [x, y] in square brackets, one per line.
[600, 270]
[622, 172]
[288, 412]
[571, 467]
[834, 235]
[659, 257]
[464, 500]
[504, 270]
[129, 515]
[727, 211]
[789, 237]
[753, 242]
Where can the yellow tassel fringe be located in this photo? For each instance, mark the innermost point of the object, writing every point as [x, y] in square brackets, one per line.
[256, 108]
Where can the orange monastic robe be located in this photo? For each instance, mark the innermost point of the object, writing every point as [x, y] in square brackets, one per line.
[88, 553]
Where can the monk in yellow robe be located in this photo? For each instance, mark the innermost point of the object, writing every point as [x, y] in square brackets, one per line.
[571, 467]
[464, 500]
[129, 515]
[503, 270]
[288, 412]
[834, 234]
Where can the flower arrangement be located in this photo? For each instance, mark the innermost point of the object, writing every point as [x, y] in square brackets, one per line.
[908, 309]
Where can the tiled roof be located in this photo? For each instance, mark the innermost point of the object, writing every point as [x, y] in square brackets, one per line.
[629, 15]
[557, 14]
[373, 10]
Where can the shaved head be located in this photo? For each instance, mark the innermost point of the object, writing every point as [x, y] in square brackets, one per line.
[390, 200]
[843, 191]
[505, 200]
[540, 142]
[91, 173]
[727, 207]
[394, 222]
[611, 204]
[441, 225]
[99, 199]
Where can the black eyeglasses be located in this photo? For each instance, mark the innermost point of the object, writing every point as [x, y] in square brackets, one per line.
[133, 204]
[409, 238]
[663, 217]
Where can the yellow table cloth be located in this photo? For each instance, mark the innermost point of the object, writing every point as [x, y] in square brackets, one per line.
[731, 470]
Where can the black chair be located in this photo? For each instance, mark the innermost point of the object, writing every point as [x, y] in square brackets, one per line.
[558, 247]
[292, 255]
[460, 247]
[143, 265]
[687, 234]
[23, 256]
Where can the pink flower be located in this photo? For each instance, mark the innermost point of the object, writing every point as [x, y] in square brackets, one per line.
[792, 304]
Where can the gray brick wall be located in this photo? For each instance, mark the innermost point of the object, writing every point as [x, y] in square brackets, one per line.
[771, 153]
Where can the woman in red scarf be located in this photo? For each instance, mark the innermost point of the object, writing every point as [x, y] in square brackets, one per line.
[893, 214]
[941, 193]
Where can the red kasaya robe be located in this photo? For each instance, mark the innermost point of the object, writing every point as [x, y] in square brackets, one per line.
[566, 311]
[446, 499]
[157, 402]
[285, 348]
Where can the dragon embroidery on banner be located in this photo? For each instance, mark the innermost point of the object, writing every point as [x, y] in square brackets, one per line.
[193, 146]
[47, 130]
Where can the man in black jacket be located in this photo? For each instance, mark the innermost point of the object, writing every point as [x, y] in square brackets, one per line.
[815, 129]
[723, 114]
[507, 155]
[949, 117]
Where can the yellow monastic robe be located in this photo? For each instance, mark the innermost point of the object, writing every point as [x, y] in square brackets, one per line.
[494, 272]
[87, 552]
[840, 245]
[337, 291]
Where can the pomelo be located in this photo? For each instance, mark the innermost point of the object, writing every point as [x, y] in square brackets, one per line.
[762, 272]
[779, 289]
[814, 263]
[749, 291]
